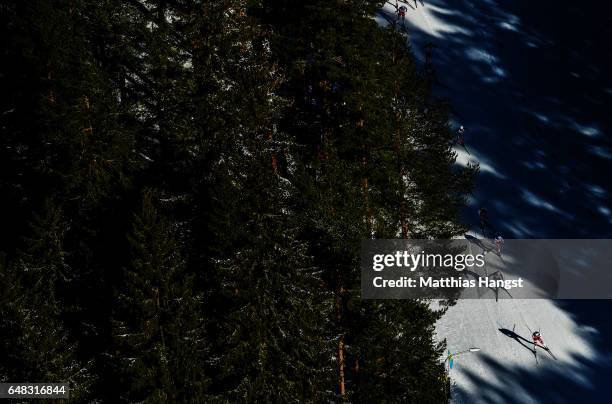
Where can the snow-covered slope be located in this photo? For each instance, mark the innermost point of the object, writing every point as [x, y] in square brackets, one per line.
[529, 83]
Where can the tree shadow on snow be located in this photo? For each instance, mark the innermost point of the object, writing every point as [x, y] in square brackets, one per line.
[531, 83]
[567, 383]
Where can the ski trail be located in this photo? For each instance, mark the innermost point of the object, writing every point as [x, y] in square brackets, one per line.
[477, 322]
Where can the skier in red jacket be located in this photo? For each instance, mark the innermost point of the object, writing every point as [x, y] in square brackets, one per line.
[402, 12]
[537, 339]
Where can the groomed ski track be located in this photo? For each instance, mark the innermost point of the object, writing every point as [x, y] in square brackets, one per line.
[529, 83]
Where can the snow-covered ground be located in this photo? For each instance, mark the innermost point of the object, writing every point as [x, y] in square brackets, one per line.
[531, 83]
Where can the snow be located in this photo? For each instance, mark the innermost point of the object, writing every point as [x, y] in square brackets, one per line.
[477, 323]
[532, 98]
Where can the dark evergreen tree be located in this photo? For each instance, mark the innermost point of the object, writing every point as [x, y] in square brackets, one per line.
[33, 338]
[272, 332]
[160, 342]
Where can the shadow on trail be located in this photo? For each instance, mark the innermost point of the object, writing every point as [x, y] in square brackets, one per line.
[517, 338]
[569, 383]
[531, 83]
[477, 242]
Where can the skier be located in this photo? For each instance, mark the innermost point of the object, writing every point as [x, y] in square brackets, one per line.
[460, 136]
[402, 12]
[428, 52]
[499, 242]
[484, 220]
[537, 339]
[539, 342]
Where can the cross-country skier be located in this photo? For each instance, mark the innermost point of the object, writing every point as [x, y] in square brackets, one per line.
[499, 242]
[484, 220]
[537, 339]
[539, 342]
[402, 12]
[460, 136]
[428, 52]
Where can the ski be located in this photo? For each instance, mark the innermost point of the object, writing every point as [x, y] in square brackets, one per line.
[550, 352]
[547, 349]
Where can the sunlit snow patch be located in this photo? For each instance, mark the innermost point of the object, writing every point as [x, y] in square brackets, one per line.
[538, 202]
[601, 152]
[464, 159]
[425, 20]
[597, 190]
[590, 131]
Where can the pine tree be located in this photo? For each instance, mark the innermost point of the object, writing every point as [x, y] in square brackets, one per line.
[158, 320]
[34, 340]
[272, 344]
